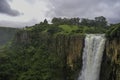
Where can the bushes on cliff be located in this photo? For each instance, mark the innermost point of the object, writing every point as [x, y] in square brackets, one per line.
[54, 29]
[35, 61]
[114, 32]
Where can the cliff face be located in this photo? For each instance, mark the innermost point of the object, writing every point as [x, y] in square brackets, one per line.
[70, 49]
[110, 68]
[71, 46]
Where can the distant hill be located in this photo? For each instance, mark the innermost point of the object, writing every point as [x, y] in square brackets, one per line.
[6, 34]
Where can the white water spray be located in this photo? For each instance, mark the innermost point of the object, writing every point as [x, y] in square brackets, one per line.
[92, 56]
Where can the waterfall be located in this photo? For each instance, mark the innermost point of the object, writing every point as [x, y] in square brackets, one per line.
[92, 57]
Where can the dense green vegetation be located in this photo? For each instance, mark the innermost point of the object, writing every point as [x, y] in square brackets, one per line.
[31, 60]
[6, 34]
[72, 26]
[114, 31]
[33, 53]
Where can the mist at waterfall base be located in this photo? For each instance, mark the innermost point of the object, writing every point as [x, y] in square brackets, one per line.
[92, 57]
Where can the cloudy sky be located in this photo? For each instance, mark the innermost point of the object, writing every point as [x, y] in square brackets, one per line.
[19, 13]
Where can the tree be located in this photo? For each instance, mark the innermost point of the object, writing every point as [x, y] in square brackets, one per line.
[87, 22]
[101, 21]
[68, 21]
[56, 21]
[84, 21]
[45, 21]
[74, 21]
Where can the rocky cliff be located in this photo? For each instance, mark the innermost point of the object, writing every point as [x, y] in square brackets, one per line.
[70, 47]
[110, 68]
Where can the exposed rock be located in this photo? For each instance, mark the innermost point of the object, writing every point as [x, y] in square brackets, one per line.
[70, 47]
[110, 68]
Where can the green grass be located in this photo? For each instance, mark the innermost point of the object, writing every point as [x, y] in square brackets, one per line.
[68, 28]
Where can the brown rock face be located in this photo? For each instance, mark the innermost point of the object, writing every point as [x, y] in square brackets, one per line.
[70, 48]
[110, 68]
[113, 51]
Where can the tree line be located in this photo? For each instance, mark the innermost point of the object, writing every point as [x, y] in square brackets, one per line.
[97, 21]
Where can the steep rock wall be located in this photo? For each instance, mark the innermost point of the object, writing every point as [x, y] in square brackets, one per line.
[110, 68]
[68, 47]
[71, 46]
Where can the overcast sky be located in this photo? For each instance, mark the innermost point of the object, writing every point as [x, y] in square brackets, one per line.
[19, 13]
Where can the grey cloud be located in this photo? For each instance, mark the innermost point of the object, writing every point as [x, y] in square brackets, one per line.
[86, 8]
[18, 24]
[31, 1]
[6, 9]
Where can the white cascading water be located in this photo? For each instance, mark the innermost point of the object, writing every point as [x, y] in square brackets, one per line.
[92, 56]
